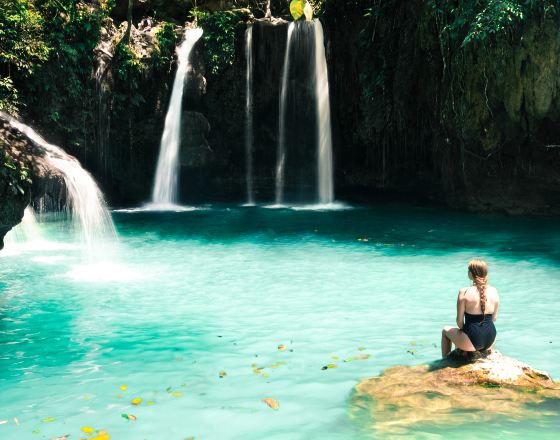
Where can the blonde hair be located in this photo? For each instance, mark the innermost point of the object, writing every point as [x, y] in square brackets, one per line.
[479, 273]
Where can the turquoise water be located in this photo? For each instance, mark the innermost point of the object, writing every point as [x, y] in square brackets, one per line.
[193, 294]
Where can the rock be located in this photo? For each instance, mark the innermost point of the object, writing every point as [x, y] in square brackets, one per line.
[490, 386]
[24, 176]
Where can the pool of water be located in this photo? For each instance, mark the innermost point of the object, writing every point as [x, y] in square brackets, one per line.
[187, 314]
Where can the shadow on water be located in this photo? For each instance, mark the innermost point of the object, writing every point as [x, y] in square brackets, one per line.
[387, 228]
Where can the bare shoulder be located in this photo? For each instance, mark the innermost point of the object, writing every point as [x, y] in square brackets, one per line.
[462, 292]
[493, 291]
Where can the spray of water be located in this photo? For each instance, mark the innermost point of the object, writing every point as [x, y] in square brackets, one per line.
[84, 201]
[249, 114]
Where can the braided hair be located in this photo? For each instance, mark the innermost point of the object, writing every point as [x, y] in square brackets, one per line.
[479, 273]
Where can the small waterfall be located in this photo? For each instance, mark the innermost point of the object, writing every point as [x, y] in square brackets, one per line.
[324, 134]
[167, 171]
[249, 114]
[84, 200]
[27, 231]
[305, 43]
[281, 152]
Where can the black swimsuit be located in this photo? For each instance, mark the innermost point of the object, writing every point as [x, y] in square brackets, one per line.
[481, 332]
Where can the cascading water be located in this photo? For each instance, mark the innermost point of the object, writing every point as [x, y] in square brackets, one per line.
[306, 51]
[249, 114]
[84, 200]
[325, 183]
[167, 172]
[281, 152]
[26, 231]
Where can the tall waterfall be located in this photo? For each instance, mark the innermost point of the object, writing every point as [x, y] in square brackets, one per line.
[249, 114]
[324, 136]
[281, 151]
[167, 171]
[311, 52]
[84, 200]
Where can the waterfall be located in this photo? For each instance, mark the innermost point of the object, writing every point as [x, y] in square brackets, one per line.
[26, 231]
[281, 151]
[167, 171]
[249, 114]
[84, 201]
[324, 136]
[305, 43]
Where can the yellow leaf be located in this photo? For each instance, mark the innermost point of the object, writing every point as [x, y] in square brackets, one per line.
[124, 387]
[335, 358]
[329, 366]
[271, 403]
[48, 419]
[177, 394]
[101, 435]
[87, 429]
[296, 9]
[136, 401]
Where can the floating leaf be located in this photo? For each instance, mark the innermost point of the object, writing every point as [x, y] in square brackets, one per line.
[308, 11]
[129, 417]
[48, 419]
[335, 358]
[87, 429]
[136, 401]
[281, 347]
[35, 431]
[357, 358]
[280, 363]
[101, 435]
[222, 374]
[151, 402]
[329, 366]
[271, 402]
[119, 396]
[296, 9]
[124, 387]
[177, 394]
[361, 348]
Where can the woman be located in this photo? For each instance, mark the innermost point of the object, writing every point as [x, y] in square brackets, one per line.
[477, 310]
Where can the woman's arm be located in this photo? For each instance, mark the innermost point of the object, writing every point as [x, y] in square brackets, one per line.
[495, 314]
[460, 310]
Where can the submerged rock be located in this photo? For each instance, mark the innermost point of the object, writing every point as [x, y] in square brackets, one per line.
[491, 386]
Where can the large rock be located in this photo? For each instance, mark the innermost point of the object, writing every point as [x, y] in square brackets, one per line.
[491, 386]
[24, 176]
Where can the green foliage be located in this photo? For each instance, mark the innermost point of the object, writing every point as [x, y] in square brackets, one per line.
[219, 37]
[475, 21]
[167, 41]
[15, 174]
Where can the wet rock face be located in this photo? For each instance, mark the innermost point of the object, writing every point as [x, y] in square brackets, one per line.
[496, 385]
[24, 176]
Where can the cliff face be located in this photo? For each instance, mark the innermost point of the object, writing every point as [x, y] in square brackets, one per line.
[475, 127]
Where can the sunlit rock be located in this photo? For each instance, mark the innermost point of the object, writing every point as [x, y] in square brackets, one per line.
[481, 390]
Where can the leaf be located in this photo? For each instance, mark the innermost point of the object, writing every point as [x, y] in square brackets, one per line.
[281, 347]
[101, 435]
[177, 394]
[329, 366]
[123, 387]
[222, 374]
[87, 429]
[136, 401]
[296, 9]
[361, 348]
[271, 403]
[129, 417]
[48, 419]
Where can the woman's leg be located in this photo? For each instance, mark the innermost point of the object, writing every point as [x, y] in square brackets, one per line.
[453, 335]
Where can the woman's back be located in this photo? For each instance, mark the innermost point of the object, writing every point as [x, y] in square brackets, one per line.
[471, 296]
